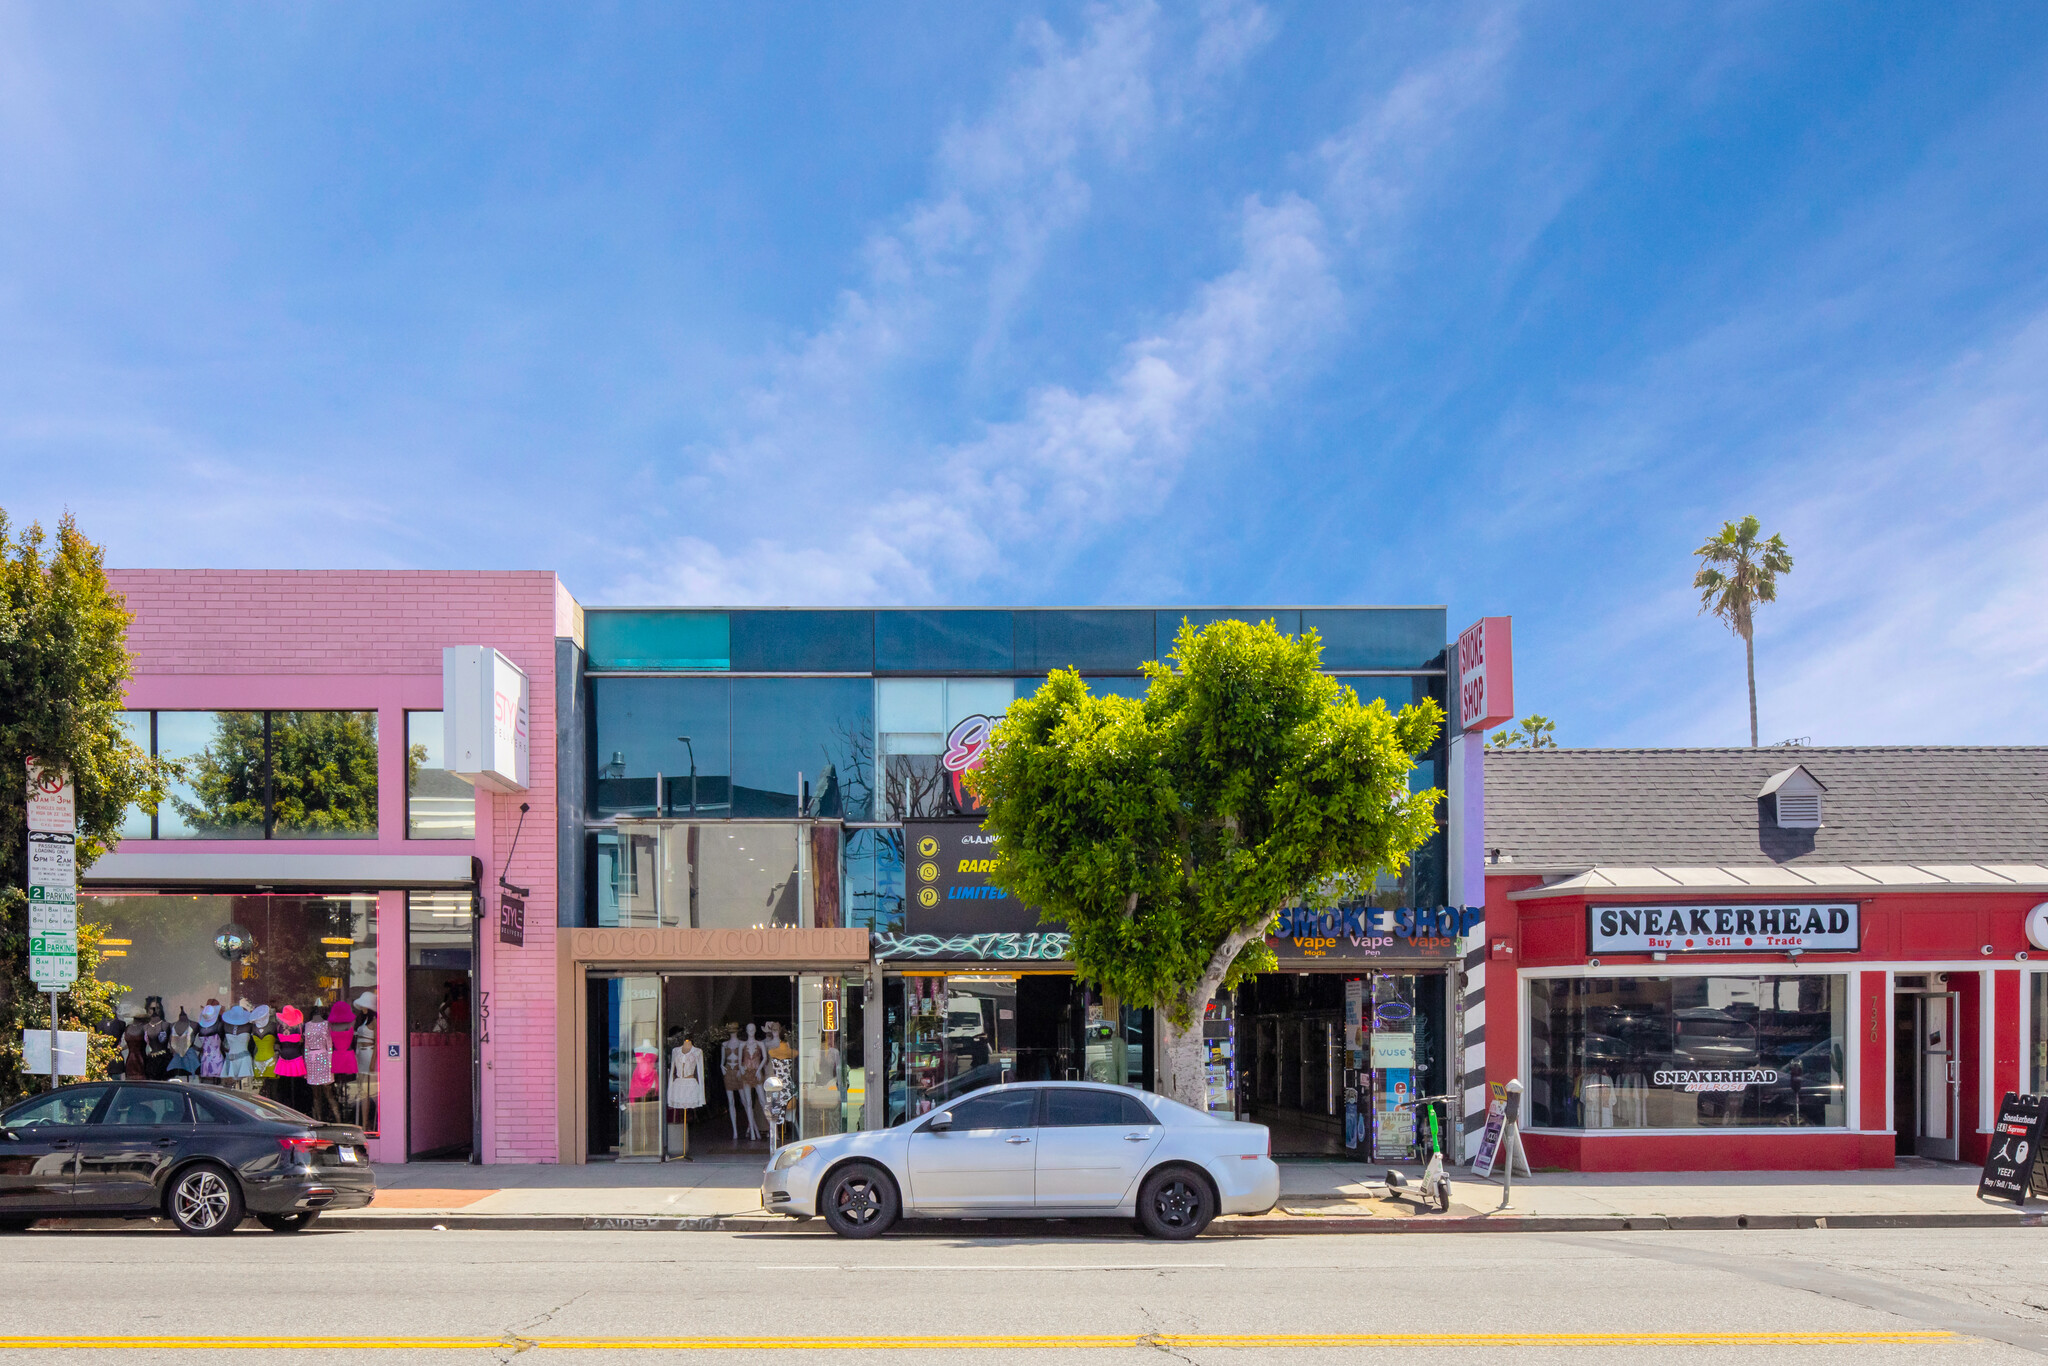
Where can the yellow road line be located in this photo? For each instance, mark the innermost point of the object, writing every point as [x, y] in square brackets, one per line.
[979, 1341]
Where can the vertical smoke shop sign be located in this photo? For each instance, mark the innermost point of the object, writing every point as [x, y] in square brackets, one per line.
[953, 911]
[52, 877]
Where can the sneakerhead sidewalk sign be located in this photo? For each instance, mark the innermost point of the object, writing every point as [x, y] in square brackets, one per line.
[2017, 1164]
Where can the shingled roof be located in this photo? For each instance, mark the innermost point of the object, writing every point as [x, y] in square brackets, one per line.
[1566, 810]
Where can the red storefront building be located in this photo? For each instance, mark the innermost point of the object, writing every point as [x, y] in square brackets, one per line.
[1785, 958]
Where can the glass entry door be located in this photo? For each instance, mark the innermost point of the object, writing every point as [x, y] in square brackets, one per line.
[635, 1018]
[1939, 1079]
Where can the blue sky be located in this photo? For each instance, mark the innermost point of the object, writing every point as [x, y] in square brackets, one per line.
[1501, 306]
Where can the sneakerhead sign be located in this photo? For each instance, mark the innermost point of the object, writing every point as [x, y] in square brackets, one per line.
[1810, 927]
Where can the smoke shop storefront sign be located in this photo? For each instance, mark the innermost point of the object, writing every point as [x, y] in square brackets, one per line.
[1810, 927]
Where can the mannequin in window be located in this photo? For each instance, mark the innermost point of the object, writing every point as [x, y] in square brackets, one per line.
[133, 1051]
[778, 1089]
[366, 1034]
[184, 1052]
[238, 1065]
[753, 1073]
[737, 1093]
[263, 1044]
[320, 1063]
[212, 1056]
[685, 1089]
[156, 1042]
[289, 1084]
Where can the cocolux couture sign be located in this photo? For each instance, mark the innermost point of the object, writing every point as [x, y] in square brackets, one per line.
[1811, 927]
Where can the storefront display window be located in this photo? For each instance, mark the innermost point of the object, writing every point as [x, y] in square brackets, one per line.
[1687, 1052]
[439, 805]
[271, 994]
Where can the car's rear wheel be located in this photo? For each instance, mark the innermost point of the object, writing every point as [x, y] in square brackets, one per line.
[1175, 1204]
[289, 1223]
[204, 1200]
[15, 1224]
[859, 1201]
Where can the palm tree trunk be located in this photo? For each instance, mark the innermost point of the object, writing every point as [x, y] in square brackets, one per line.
[1749, 648]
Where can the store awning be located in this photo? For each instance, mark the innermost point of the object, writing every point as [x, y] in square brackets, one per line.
[1776, 879]
[189, 868]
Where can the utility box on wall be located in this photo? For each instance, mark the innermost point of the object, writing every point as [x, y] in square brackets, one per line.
[484, 702]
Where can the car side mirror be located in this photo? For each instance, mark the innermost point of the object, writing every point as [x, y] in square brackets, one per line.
[941, 1122]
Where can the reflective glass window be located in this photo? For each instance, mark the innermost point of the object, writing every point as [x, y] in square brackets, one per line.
[323, 774]
[1077, 1108]
[803, 641]
[1001, 1110]
[657, 640]
[821, 728]
[1083, 639]
[136, 824]
[1688, 1052]
[640, 725]
[148, 1106]
[922, 720]
[219, 792]
[872, 892]
[1167, 622]
[1378, 637]
[944, 642]
[719, 877]
[438, 804]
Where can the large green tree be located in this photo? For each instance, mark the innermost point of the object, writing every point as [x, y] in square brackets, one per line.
[64, 664]
[1169, 833]
[1739, 568]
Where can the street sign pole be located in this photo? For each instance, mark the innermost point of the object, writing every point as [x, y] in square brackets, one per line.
[52, 889]
[53, 1038]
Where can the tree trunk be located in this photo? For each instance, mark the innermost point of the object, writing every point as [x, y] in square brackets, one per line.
[1179, 1075]
[1749, 649]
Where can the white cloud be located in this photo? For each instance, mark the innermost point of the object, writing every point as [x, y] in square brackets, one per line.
[934, 517]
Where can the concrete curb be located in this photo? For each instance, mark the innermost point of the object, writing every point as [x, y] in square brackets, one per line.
[1240, 1226]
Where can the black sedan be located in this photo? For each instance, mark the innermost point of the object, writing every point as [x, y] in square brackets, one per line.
[202, 1157]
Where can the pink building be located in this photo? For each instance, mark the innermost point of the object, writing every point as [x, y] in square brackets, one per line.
[325, 860]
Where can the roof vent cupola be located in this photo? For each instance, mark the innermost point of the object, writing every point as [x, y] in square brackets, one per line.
[1795, 796]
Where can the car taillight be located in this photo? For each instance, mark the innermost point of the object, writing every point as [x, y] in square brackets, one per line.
[302, 1149]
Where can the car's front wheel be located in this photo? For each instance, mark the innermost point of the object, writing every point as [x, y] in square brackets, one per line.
[288, 1223]
[859, 1201]
[204, 1200]
[1175, 1204]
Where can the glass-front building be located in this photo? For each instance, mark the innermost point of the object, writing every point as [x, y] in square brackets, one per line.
[757, 783]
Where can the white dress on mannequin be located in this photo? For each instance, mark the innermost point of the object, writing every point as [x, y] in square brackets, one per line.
[686, 1078]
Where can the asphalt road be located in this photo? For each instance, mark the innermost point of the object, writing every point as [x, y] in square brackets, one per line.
[395, 1297]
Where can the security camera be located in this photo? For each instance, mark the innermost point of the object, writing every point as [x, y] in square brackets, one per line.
[1592, 962]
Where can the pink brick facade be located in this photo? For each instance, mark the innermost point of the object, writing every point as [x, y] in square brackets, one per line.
[226, 639]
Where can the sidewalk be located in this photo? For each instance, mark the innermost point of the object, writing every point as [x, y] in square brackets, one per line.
[1315, 1197]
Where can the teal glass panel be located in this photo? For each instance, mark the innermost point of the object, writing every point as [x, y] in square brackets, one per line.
[941, 642]
[803, 641]
[658, 640]
[1083, 638]
[1378, 637]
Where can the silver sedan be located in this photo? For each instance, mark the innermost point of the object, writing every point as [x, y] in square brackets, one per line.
[1051, 1149]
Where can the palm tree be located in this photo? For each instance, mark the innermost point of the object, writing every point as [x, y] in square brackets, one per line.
[1537, 732]
[1752, 565]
